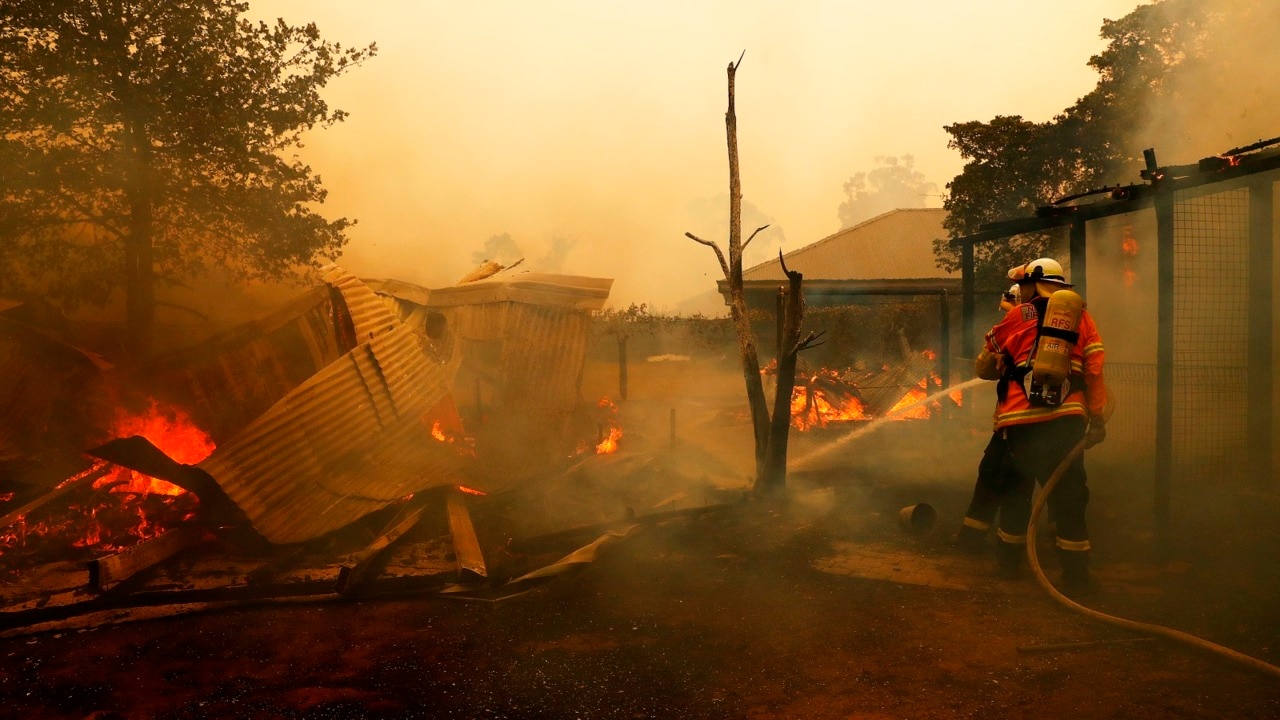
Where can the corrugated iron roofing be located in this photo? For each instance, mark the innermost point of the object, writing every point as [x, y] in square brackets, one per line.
[346, 442]
[534, 288]
[229, 380]
[369, 314]
[897, 245]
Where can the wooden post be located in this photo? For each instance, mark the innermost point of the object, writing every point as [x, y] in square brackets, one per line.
[1261, 351]
[622, 367]
[1164, 364]
[1079, 264]
[968, 348]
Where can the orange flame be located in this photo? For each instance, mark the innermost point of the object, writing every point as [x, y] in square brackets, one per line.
[169, 429]
[1129, 247]
[129, 506]
[610, 444]
[814, 407]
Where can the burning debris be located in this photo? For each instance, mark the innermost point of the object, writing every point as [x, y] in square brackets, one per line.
[827, 396]
[315, 441]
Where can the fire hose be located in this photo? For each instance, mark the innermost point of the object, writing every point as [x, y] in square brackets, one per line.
[1148, 628]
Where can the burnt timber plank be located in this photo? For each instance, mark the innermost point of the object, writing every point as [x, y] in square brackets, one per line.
[109, 570]
[352, 574]
[66, 489]
[466, 546]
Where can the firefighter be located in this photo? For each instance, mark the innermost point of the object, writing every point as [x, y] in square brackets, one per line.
[978, 519]
[1051, 394]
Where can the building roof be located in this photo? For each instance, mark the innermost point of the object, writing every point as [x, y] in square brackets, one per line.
[534, 288]
[897, 245]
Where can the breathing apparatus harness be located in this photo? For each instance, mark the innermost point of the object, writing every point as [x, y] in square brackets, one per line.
[1048, 367]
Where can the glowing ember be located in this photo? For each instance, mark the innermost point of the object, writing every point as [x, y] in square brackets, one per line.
[122, 507]
[464, 444]
[470, 490]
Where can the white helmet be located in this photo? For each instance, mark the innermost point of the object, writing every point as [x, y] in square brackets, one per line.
[1041, 270]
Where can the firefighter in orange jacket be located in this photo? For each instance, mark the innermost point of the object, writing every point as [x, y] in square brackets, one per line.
[985, 502]
[1042, 423]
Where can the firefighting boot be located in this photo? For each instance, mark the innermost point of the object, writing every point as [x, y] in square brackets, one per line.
[1009, 559]
[1077, 581]
[970, 540]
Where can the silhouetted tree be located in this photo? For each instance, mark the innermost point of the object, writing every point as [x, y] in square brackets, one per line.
[770, 436]
[1014, 165]
[894, 184]
[146, 141]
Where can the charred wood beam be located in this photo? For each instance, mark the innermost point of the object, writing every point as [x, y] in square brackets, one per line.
[107, 571]
[353, 574]
[466, 545]
[173, 602]
[60, 492]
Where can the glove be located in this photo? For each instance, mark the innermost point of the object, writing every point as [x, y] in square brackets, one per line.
[1096, 433]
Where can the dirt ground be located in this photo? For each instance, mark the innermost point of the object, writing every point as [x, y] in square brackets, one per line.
[816, 605]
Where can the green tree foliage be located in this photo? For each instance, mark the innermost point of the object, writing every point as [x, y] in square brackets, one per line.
[1014, 165]
[894, 184]
[143, 140]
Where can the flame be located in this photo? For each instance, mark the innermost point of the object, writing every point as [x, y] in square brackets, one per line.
[436, 432]
[169, 429]
[610, 444]
[1129, 247]
[814, 407]
[122, 507]
[914, 395]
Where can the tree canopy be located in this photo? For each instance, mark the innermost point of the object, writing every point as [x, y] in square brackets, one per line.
[148, 140]
[894, 184]
[1014, 165]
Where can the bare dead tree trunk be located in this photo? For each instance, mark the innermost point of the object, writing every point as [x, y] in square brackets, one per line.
[774, 477]
[741, 318]
[737, 300]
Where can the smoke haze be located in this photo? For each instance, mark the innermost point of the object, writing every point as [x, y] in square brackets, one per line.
[603, 124]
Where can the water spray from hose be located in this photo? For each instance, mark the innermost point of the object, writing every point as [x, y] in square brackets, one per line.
[875, 424]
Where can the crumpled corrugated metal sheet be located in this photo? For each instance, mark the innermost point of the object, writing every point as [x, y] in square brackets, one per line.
[369, 314]
[534, 288]
[229, 380]
[347, 441]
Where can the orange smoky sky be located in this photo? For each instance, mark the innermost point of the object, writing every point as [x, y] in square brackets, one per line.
[598, 127]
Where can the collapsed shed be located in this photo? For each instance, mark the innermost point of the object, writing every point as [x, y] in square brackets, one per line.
[515, 347]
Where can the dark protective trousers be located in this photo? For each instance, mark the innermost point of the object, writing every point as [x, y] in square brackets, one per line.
[1034, 451]
[989, 486]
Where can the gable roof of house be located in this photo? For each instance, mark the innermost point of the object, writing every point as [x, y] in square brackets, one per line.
[897, 245]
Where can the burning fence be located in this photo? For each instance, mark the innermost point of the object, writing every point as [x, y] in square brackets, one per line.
[829, 396]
